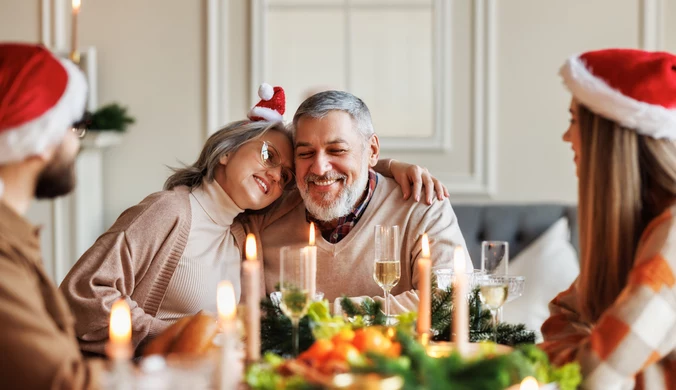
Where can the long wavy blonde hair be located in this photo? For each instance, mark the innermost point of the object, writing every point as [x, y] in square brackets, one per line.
[625, 180]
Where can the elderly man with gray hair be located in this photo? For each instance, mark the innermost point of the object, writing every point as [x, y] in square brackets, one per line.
[336, 150]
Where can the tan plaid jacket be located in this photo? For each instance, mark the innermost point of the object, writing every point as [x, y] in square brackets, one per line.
[633, 345]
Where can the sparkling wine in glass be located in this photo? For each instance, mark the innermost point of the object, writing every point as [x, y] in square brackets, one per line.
[493, 292]
[294, 285]
[387, 267]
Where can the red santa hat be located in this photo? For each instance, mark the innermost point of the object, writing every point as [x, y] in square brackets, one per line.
[635, 88]
[41, 96]
[272, 104]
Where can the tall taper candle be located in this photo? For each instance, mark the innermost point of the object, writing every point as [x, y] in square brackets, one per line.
[74, 50]
[424, 291]
[460, 309]
[312, 263]
[227, 312]
[252, 275]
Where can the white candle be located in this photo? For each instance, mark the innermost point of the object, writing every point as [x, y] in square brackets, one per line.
[529, 383]
[252, 271]
[460, 309]
[424, 290]
[119, 332]
[312, 263]
[75, 53]
[227, 311]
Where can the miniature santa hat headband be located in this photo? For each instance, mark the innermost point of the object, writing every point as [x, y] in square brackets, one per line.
[41, 96]
[272, 104]
[635, 88]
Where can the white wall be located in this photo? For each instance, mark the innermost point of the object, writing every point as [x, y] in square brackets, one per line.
[152, 58]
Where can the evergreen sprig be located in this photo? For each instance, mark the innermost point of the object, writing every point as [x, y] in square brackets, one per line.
[109, 117]
[276, 327]
[368, 313]
[276, 330]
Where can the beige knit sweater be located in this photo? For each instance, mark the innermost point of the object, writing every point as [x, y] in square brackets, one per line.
[135, 259]
[346, 268]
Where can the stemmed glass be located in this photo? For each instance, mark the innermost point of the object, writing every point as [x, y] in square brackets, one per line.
[294, 285]
[495, 260]
[387, 267]
[493, 292]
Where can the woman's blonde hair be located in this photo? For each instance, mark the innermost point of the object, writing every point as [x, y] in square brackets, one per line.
[224, 141]
[625, 180]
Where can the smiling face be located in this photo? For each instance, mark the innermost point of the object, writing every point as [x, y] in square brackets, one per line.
[332, 163]
[572, 134]
[245, 178]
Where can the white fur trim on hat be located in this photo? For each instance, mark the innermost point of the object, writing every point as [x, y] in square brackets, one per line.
[266, 92]
[35, 136]
[648, 119]
[266, 113]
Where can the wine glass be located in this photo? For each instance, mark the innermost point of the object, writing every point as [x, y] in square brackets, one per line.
[493, 292]
[387, 267]
[495, 260]
[294, 285]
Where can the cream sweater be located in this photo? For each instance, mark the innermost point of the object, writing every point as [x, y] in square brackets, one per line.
[211, 255]
[346, 268]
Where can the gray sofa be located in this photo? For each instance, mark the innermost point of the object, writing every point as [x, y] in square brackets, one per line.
[519, 224]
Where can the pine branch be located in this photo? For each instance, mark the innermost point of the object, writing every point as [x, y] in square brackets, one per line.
[480, 321]
[276, 330]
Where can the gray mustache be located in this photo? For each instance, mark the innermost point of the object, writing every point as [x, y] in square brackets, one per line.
[310, 177]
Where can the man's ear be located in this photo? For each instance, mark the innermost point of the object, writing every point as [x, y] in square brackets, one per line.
[374, 150]
[224, 159]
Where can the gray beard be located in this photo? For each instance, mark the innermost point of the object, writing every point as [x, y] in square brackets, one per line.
[330, 210]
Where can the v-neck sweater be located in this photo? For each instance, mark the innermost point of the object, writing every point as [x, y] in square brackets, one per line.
[346, 268]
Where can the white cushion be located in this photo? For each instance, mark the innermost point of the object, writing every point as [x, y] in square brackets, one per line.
[550, 265]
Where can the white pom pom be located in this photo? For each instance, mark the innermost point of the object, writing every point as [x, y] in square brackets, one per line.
[265, 91]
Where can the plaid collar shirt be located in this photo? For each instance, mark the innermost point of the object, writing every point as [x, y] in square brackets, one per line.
[334, 234]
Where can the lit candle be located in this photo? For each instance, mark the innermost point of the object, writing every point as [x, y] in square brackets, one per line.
[252, 272]
[424, 290]
[460, 309]
[227, 311]
[119, 332]
[75, 53]
[312, 263]
[529, 383]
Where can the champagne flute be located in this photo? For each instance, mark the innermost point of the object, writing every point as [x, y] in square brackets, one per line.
[294, 284]
[387, 267]
[493, 292]
[495, 260]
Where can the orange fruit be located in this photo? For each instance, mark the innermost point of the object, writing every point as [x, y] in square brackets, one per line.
[318, 350]
[345, 352]
[370, 340]
[344, 336]
[394, 350]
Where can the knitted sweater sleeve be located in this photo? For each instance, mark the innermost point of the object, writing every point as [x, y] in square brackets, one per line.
[145, 241]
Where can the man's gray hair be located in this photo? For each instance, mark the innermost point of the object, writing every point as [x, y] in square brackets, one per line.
[319, 105]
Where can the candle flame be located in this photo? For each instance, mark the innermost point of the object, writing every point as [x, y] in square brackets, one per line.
[225, 300]
[250, 247]
[425, 246]
[76, 4]
[312, 233]
[529, 383]
[459, 260]
[120, 323]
